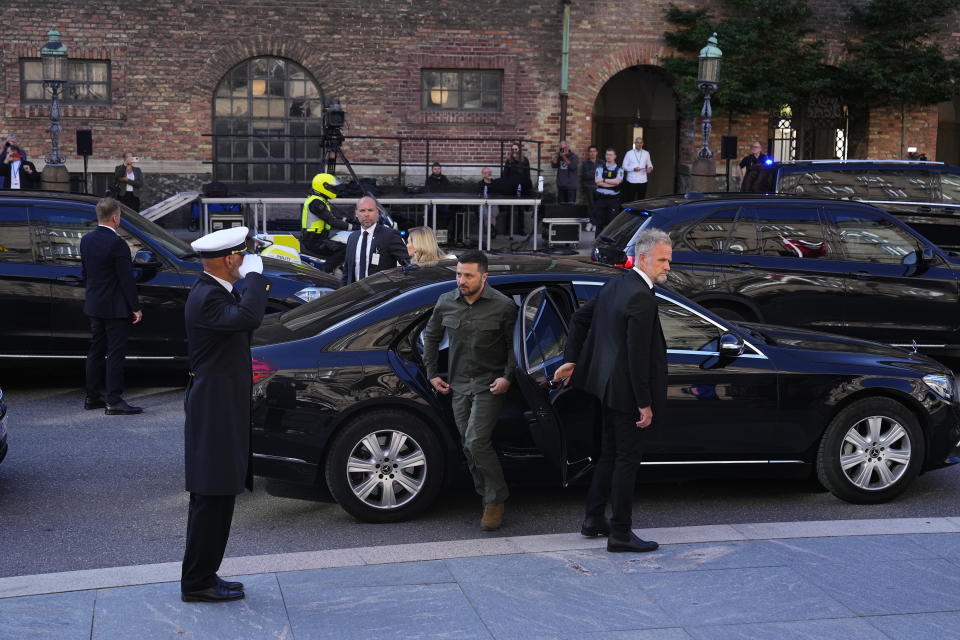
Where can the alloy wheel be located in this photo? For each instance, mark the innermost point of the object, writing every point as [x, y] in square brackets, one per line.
[386, 469]
[875, 453]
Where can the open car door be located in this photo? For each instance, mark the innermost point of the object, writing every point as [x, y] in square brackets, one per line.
[561, 420]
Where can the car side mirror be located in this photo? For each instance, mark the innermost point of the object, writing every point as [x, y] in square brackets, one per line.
[731, 345]
[918, 261]
[145, 265]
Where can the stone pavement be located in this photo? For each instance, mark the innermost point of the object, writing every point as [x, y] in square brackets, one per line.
[857, 579]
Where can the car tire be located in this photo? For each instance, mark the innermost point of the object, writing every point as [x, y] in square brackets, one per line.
[375, 483]
[871, 451]
[732, 314]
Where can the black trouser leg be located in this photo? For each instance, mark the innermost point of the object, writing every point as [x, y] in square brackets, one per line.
[616, 472]
[96, 366]
[208, 529]
[118, 330]
[566, 195]
[640, 190]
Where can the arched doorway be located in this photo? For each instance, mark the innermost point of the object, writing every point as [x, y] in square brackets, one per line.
[640, 95]
[262, 109]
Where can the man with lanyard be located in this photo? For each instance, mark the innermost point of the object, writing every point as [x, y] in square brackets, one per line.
[316, 220]
[606, 204]
[636, 166]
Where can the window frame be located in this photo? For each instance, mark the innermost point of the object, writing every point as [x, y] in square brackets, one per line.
[427, 105]
[64, 98]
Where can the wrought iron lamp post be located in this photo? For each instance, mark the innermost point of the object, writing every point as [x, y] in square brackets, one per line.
[54, 58]
[708, 78]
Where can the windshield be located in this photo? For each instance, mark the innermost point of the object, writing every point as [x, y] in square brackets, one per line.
[158, 234]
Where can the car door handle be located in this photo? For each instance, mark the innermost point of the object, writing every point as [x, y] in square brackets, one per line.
[73, 281]
[744, 265]
[862, 275]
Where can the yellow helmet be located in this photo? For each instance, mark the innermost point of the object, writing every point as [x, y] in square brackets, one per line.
[322, 182]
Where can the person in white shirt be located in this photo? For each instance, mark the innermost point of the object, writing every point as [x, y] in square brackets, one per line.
[636, 167]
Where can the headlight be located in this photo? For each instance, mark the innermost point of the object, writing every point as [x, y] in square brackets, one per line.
[309, 294]
[941, 385]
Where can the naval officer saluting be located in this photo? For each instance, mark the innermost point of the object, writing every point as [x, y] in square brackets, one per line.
[217, 405]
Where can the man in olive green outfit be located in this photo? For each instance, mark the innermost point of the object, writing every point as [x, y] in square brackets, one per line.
[479, 321]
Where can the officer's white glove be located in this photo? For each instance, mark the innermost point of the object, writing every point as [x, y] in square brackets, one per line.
[251, 264]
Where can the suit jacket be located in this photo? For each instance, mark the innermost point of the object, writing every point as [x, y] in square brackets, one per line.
[217, 454]
[386, 241]
[618, 347]
[120, 172]
[107, 275]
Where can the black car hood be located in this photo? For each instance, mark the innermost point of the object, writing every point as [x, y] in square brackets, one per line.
[789, 337]
[300, 272]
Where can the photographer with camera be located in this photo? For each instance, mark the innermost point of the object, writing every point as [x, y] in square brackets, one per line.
[15, 171]
[566, 162]
[128, 180]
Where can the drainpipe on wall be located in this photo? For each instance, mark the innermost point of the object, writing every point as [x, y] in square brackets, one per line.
[564, 69]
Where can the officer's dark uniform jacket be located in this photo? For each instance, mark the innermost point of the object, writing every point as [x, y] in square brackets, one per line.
[606, 173]
[217, 402]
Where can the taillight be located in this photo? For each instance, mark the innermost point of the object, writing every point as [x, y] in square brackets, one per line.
[626, 264]
[261, 370]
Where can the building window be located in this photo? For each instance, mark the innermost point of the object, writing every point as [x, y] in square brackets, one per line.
[267, 122]
[461, 89]
[785, 137]
[88, 82]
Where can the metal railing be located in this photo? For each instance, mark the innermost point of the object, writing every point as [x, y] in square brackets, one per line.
[259, 208]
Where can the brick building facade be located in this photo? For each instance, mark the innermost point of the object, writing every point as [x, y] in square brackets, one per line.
[167, 59]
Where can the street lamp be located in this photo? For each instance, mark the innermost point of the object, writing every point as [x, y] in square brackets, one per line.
[54, 57]
[708, 78]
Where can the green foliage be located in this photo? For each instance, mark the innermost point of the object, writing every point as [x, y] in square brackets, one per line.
[768, 58]
[894, 60]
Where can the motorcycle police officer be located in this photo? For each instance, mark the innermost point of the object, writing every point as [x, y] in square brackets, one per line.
[317, 218]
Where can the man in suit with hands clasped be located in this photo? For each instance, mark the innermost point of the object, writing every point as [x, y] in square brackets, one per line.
[617, 353]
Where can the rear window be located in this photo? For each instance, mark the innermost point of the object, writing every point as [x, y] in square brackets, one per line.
[624, 226]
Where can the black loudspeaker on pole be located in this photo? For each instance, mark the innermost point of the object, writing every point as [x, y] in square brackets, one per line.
[728, 147]
[85, 149]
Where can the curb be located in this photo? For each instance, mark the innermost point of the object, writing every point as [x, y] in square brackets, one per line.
[107, 578]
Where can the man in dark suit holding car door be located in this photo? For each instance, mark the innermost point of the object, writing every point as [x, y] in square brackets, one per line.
[374, 247]
[616, 352]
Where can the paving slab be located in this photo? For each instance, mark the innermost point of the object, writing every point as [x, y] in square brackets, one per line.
[155, 612]
[59, 616]
[844, 550]
[846, 628]
[429, 572]
[563, 605]
[389, 611]
[882, 585]
[739, 596]
[919, 626]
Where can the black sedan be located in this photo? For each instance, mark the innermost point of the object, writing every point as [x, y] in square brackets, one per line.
[41, 284]
[341, 399]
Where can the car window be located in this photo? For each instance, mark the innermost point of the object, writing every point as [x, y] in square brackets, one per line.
[709, 234]
[685, 330]
[791, 231]
[624, 226]
[911, 185]
[545, 334]
[59, 230]
[950, 188]
[823, 183]
[15, 245]
[869, 237]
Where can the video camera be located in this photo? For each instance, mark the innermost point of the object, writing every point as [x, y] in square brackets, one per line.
[334, 117]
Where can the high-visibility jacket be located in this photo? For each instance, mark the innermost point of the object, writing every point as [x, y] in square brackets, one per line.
[309, 221]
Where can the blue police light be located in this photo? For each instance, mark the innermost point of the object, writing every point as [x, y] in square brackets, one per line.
[768, 161]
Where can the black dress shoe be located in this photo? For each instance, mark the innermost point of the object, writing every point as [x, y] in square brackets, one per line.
[93, 403]
[227, 584]
[121, 408]
[632, 544]
[594, 527]
[216, 593]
